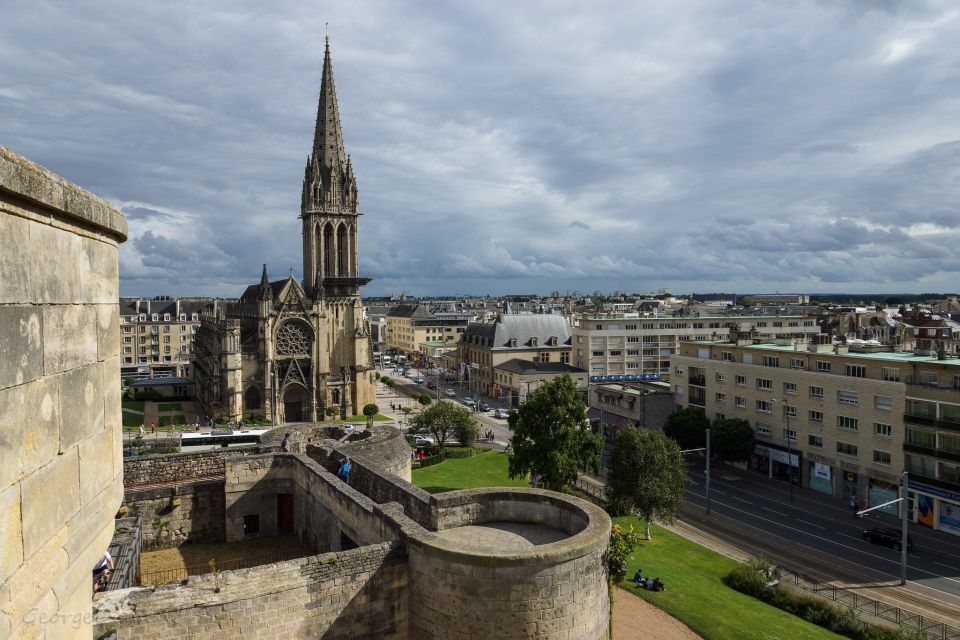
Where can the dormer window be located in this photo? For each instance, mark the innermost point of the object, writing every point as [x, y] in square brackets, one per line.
[153, 317]
[143, 317]
[533, 342]
[513, 342]
[552, 341]
[166, 317]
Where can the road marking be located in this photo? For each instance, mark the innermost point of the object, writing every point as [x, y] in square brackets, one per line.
[723, 493]
[947, 566]
[847, 535]
[741, 499]
[772, 511]
[810, 524]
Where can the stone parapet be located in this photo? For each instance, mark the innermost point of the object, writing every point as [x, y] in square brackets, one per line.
[60, 426]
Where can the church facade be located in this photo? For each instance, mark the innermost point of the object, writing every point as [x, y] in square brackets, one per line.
[289, 350]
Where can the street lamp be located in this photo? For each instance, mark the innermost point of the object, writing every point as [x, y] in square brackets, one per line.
[706, 473]
[904, 514]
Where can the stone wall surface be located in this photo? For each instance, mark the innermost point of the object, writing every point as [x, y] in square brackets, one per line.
[60, 428]
[139, 471]
[174, 515]
[361, 593]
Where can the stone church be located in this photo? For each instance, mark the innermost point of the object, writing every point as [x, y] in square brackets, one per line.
[290, 350]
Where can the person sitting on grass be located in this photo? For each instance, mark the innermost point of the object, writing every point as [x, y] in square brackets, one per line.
[637, 577]
[657, 585]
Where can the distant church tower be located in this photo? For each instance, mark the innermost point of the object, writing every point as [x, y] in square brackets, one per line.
[330, 211]
[290, 351]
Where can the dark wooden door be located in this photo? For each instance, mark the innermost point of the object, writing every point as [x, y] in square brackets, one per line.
[284, 513]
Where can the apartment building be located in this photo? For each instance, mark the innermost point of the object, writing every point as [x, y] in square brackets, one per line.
[415, 331]
[530, 337]
[156, 335]
[844, 422]
[622, 345]
[613, 406]
[516, 379]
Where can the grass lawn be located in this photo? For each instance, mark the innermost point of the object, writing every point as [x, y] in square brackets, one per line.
[696, 596]
[170, 406]
[377, 418]
[487, 469]
[137, 405]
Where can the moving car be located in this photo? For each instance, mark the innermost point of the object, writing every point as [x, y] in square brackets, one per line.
[501, 413]
[483, 406]
[418, 379]
[469, 402]
[450, 393]
[887, 537]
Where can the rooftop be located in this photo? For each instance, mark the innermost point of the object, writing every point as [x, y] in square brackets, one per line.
[902, 357]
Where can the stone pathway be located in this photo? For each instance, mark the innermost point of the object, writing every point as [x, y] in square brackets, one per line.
[503, 536]
[635, 618]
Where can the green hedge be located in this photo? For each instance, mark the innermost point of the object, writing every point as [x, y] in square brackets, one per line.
[459, 452]
[748, 579]
[430, 461]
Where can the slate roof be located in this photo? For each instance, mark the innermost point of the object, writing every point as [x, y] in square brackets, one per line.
[253, 291]
[528, 366]
[410, 311]
[521, 328]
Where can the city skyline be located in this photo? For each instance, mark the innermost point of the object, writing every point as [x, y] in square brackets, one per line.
[737, 148]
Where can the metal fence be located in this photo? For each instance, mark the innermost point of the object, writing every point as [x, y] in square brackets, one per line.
[908, 620]
[169, 575]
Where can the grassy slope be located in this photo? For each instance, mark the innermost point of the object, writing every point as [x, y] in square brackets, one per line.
[482, 470]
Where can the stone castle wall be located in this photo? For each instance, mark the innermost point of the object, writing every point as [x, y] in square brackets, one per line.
[174, 515]
[140, 471]
[60, 429]
[361, 593]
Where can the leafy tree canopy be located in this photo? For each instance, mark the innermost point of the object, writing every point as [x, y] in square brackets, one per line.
[445, 420]
[647, 475]
[551, 436]
[687, 427]
[370, 410]
[732, 440]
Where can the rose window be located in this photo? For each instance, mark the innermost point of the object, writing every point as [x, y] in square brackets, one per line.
[292, 340]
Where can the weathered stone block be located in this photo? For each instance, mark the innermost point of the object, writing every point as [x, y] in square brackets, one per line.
[69, 337]
[58, 275]
[81, 404]
[50, 496]
[15, 273]
[21, 345]
[108, 330]
[100, 257]
[96, 464]
[43, 564]
[11, 538]
[29, 428]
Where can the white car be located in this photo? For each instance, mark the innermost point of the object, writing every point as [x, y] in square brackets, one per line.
[424, 441]
[450, 393]
[502, 414]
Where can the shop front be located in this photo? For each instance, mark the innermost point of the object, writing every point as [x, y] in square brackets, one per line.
[880, 492]
[821, 477]
[936, 507]
[780, 463]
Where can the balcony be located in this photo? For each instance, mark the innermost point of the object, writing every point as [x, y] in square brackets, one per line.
[930, 451]
[931, 422]
[699, 380]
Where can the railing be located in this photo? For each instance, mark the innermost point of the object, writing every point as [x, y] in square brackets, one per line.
[932, 422]
[698, 380]
[169, 575]
[908, 620]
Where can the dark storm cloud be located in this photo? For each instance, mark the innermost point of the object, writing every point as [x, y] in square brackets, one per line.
[731, 145]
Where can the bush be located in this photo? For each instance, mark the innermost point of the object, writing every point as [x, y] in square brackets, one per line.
[459, 452]
[751, 579]
[430, 461]
[370, 410]
[424, 399]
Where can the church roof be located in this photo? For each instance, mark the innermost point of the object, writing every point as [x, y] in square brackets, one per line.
[253, 291]
[328, 136]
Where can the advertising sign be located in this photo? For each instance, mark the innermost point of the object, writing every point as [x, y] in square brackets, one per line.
[822, 471]
[949, 516]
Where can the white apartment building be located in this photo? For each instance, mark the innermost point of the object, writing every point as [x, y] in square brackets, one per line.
[845, 423]
[611, 345]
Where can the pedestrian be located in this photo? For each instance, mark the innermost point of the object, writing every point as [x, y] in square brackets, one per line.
[104, 566]
[143, 432]
[344, 472]
[285, 442]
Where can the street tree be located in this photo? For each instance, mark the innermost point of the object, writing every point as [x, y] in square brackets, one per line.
[647, 475]
[551, 435]
[687, 427]
[732, 440]
[443, 421]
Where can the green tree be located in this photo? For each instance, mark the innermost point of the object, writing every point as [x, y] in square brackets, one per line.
[424, 399]
[551, 437]
[687, 427]
[732, 440]
[370, 410]
[445, 420]
[647, 475]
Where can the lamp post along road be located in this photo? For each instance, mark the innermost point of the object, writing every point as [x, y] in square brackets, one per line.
[706, 473]
[904, 515]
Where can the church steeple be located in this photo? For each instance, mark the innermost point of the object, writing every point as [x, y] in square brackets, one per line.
[328, 183]
[265, 293]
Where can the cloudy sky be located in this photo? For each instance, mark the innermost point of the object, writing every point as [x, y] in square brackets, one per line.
[510, 146]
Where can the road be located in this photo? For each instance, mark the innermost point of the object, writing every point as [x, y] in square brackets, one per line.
[817, 537]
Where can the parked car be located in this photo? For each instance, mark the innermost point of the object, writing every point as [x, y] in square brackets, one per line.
[502, 414]
[450, 393]
[424, 441]
[887, 537]
[483, 406]
[418, 379]
[469, 402]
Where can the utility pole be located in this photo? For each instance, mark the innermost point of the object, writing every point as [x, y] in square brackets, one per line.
[904, 516]
[786, 417]
[707, 472]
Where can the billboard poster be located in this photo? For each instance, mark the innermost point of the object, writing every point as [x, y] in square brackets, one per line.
[925, 510]
[949, 516]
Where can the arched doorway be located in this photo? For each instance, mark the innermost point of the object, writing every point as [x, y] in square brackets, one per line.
[294, 403]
